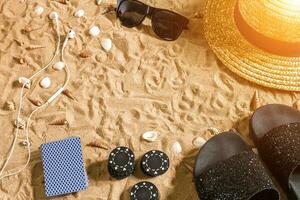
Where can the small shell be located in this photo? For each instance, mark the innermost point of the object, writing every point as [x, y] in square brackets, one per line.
[45, 82]
[20, 123]
[35, 102]
[97, 144]
[59, 66]
[60, 122]
[255, 102]
[213, 130]
[26, 81]
[94, 31]
[33, 47]
[86, 53]
[30, 28]
[69, 94]
[79, 13]
[98, 2]
[106, 44]
[25, 143]
[63, 1]
[199, 142]
[39, 10]
[20, 60]
[9, 105]
[176, 148]
[150, 136]
[19, 43]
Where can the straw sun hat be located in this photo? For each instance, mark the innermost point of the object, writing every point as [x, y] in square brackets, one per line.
[257, 39]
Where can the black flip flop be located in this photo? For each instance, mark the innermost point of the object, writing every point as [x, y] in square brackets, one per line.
[275, 130]
[226, 168]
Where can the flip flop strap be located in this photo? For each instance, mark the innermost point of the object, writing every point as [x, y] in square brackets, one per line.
[238, 178]
[280, 150]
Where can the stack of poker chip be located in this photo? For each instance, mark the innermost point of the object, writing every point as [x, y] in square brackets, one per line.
[121, 162]
[155, 163]
[144, 191]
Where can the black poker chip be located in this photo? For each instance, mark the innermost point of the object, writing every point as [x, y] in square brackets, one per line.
[144, 191]
[155, 163]
[121, 162]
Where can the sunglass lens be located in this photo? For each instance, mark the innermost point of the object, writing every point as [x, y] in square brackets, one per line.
[131, 13]
[167, 25]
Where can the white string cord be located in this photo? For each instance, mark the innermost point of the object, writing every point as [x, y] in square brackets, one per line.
[28, 120]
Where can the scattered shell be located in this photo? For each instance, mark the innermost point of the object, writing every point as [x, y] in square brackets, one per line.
[190, 168]
[79, 13]
[94, 31]
[60, 122]
[71, 34]
[24, 80]
[9, 105]
[213, 130]
[176, 148]
[98, 144]
[59, 66]
[20, 60]
[69, 94]
[25, 143]
[33, 47]
[21, 124]
[63, 1]
[98, 2]
[106, 44]
[19, 43]
[150, 136]
[35, 102]
[39, 10]
[199, 141]
[86, 53]
[255, 102]
[30, 28]
[45, 82]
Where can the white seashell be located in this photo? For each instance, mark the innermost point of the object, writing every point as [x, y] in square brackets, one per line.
[213, 130]
[176, 148]
[39, 9]
[53, 15]
[150, 136]
[59, 66]
[106, 44]
[20, 123]
[45, 82]
[79, 13]
[199, 142]
[98, 2]
[71, 34]
[24, 80]
[94, 31]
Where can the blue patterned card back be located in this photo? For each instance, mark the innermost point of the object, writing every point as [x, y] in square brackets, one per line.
[64, 170]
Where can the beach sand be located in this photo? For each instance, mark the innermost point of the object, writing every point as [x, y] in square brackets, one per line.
[178, 89]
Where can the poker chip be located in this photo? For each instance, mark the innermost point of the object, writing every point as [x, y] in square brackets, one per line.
[155, 163]
[144, 191]
[121, 162]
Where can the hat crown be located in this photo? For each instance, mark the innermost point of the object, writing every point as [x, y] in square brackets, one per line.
[276, 19]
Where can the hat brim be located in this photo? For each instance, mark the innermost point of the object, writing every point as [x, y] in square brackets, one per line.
[243, 58]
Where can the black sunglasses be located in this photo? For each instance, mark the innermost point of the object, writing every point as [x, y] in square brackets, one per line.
[166, 24]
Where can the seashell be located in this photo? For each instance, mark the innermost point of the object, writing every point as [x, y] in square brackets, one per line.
[176, 148]
[98, 2]
[199, 142]
[79, 13]
[45, 82]
[60, 122]
[59, 66]
[33, 47]
[35, 102]
[106, 44]
[20, 60]
[69, 94]
[97, 144]
[19, 43]
[94, 31]
[26, 81]
[213, 130]
[62, 1]
[30, 28]
[25, 143]
[150, 136]
[20, 123]
[9, 105]
[39, 10]
[86, 53]
[255, 102]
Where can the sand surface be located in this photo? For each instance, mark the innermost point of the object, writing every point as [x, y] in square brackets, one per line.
[178, 89]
